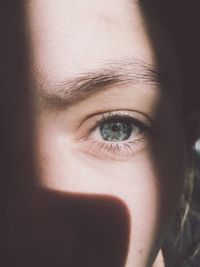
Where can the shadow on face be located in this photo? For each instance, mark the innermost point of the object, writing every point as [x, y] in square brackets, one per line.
[74, 230]
[62, 229]
[44, 228]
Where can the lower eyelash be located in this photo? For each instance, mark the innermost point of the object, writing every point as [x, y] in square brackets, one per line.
[122, 148]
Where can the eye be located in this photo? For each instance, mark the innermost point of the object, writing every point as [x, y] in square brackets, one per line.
[115, 134]
[118, 130]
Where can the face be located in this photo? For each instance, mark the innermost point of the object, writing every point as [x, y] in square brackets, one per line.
[107, 127]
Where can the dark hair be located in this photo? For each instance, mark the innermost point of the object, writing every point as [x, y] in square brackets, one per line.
[180, 21]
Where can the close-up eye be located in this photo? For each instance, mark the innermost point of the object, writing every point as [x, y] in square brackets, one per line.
[116, 134]
[118, 129]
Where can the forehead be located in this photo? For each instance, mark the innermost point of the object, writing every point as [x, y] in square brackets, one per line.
[68, 37]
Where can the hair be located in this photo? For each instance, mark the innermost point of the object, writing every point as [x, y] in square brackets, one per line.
[180, 20]
[182, 246]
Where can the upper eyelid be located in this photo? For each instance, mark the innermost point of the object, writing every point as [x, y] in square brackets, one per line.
[137, 115]
[116, 116]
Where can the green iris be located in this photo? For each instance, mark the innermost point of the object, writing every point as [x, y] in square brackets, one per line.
[116, 130]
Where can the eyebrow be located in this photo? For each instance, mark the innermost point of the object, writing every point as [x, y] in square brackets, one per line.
[83, 85]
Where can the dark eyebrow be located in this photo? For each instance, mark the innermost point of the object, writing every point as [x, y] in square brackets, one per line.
[83, 85]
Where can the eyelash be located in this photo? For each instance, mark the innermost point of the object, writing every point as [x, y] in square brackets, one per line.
[118, 149]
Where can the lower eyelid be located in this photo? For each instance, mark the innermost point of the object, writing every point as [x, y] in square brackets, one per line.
[114, 151]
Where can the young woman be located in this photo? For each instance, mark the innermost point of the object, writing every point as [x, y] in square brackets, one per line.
[104, 141]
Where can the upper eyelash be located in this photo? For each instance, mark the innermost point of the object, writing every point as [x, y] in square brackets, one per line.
[110, 116]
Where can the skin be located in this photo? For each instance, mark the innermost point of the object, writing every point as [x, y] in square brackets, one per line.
[71, 39]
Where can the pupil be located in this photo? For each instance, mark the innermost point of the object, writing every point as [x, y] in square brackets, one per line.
[116, 130]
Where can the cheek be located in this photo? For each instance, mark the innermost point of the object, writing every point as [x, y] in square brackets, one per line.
[154, 172]
[147, 184]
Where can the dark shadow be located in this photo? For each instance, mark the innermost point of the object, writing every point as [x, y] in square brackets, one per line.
[15, 139]
[179, 21]
[61, 229]
[44, 228]
[77, 230]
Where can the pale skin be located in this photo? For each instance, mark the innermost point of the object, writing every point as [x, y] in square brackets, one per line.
[71, 40]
